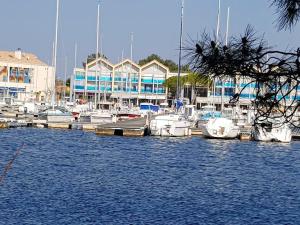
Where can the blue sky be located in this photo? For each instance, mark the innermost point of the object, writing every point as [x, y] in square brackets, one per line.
[30, 25]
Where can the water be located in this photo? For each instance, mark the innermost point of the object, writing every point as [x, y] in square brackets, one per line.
[73, 177]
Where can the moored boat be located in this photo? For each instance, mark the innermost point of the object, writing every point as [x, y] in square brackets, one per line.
[222, 128]
[170, 125]
[271, 132]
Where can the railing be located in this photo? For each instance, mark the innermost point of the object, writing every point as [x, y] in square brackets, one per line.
[79, 77]
[152, 81]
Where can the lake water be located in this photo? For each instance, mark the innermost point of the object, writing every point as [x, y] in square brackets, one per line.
[75, 177]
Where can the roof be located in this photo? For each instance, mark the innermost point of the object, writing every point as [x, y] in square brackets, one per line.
[27, 58]
[100, 59]
[129, 62]
[157, 63]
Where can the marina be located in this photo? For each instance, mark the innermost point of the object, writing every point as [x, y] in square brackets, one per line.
[122, 116]
[130, 127]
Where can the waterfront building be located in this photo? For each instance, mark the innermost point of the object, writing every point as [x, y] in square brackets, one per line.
[229, 87]
[24, 76]
[101, 80]
[222, 91]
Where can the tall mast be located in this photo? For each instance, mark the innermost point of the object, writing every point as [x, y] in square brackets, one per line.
[178, 91]
[226, 43]
[217, 42]
[72, 93]
[55, 51]
[218, 23]
[131, 55]
[65, 78]
[97, 56]
[131, 46]
[227, 26]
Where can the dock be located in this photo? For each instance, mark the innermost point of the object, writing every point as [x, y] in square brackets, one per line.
[134, 127]
[245, 133]
[196, 131]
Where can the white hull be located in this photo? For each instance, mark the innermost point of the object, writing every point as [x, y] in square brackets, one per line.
[280, 134]
[220, 128]
[60, 118]
[170, 126]
[102, 117]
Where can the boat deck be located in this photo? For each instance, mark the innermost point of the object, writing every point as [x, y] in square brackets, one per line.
[132, 127]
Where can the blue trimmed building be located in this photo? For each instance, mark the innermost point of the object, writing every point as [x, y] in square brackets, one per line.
[102, 80]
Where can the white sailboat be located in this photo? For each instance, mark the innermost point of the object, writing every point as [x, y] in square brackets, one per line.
[222, 128]
[267, 133]
[173, 125]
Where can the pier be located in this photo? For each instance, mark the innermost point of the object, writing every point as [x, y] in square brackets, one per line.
[134, 127]
[138, 127]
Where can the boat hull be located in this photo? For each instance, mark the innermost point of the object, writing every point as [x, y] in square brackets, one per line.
[280, 134]
[170, 126]
[220, 128]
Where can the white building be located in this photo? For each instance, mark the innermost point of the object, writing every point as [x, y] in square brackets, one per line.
[24, 76]
[102, 80]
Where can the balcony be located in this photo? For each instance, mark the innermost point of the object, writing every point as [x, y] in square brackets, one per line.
[79, 77]
[79, 87]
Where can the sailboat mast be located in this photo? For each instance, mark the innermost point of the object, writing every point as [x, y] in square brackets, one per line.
[131, 55]
[218, 23]
[97, 56]
[217, 42]
[72, 93]
[227, 26]
[226, 43]
[178, 89]
[55, 50]
[65, 78]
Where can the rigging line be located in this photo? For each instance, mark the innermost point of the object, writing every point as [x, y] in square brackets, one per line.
[9, 164]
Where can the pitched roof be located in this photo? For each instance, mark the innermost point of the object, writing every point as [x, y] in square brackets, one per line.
[127, 61]
[27, 58]
[154, 61]
[100, 59]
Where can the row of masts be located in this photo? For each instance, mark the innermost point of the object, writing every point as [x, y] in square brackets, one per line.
[226, 43]
[98, 67]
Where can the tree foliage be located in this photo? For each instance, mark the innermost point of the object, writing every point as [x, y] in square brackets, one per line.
[192, 79]
[173, 67]
[275, 74]
[288, 12]
[91, 58]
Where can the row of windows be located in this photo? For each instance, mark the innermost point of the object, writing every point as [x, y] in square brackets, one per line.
[117, 78]
[123, 89]
[120, 79]
[232, 85]
[92, 88]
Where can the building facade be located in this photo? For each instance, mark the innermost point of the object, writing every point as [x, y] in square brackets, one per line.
[23, 76]
[223, 91]
[101, 80]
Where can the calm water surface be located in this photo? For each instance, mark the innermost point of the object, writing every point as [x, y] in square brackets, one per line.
[73, 177]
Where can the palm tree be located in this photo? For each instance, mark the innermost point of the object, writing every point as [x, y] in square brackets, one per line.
[193, 80]
[288, 12]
